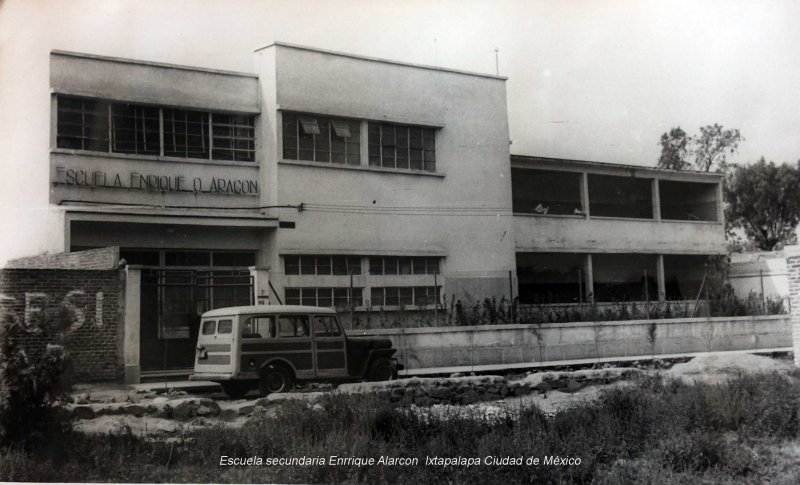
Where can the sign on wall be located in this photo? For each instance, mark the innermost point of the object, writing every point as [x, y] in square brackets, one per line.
[138, 181]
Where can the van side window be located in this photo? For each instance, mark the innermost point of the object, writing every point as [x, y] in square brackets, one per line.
[293, 326]
[225, 326]
[325, 326]
[259, 327]
[209, 326]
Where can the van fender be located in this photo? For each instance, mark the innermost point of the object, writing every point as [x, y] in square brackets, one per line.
[375, 355]
[278, 361]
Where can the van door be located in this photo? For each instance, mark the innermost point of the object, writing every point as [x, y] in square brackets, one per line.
[215, 343]
[330, 351]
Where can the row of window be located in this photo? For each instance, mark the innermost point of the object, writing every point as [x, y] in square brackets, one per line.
[327, 139]
[410, 296]
[153, 257]
[286, 326]
[344, 265]
[102, 126]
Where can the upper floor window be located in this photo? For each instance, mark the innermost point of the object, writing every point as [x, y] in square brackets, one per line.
[101, 126]
[321, 139]
[402, 146]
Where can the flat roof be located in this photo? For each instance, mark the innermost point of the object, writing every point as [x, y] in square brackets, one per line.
[381, 60]
[273, 309]
[603, 166]
[124, 60]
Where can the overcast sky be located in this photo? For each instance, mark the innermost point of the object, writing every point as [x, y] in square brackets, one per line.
[594, 80]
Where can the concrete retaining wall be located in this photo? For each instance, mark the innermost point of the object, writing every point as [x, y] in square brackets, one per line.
[488, 346]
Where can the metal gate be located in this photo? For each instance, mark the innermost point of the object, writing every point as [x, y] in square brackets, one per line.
[171, 304]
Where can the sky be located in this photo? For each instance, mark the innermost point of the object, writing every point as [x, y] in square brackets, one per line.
[593, 80]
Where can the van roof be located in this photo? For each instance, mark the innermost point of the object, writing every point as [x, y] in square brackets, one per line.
[272, 309]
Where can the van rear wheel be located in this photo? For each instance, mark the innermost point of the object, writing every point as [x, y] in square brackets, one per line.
[235, 389]
[274, 379]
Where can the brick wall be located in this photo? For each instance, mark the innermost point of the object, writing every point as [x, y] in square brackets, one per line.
[793, 267]
[103, 258]
[80, 309]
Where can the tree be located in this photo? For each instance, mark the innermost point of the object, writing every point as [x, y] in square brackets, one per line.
[762, 199]
[674, 150]
[713, 146]
[709, 149]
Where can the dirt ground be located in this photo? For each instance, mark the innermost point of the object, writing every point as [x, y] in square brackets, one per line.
[710, 368]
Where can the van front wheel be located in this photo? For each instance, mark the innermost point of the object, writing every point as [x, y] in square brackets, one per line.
[381, 370]
[274, 379]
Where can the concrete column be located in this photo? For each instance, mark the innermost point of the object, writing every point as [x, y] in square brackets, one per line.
[662, 289]
[792, 254]
[133, 287]
[260, 285]
[589, 281]
[656, 201]
[585, 194]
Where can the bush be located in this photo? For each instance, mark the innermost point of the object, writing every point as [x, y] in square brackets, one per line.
[29, 386]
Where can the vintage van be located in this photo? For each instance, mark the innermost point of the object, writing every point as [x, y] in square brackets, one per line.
[273, 346]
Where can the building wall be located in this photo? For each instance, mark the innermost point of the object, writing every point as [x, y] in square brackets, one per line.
[753, 271]
[79, 309]
[461, 212]
[543, 233]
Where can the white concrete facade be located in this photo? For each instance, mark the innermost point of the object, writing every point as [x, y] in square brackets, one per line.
[453, 212]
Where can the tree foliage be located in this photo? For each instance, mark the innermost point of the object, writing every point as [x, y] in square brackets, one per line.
[709, 149]
[763, 199]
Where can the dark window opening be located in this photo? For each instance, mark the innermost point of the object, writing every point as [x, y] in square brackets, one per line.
[135, 129]
[546, 192]
[550, 277]
[624, 277]
[233, 137]
[687, 201]
[611, 196]
[186, 133]
[683, 276]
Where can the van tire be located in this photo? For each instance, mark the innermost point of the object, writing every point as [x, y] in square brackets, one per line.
[274, 379]
[381, 370]
[235, 389]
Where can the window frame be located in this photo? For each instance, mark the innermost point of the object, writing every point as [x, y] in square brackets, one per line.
[333, 140]
[385, 144]
[242, 130]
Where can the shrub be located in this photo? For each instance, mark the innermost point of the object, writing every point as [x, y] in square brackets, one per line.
[29, 385]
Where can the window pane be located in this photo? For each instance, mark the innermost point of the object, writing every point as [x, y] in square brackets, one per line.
[292, 296]
[309, 125]
[321, 328]
[225, 258]
[377, 297]
[390, 265]
[392, 297]
[375, 265]
[354, 265]
[307, 265]
[233, 137]
[225, 326]
[82, 124]
[135, 129]
[340, 297]
[323, 265]
[324, 298]
[341, 128]
[291, 264]
[405, 265]
[356, 297]
[418, 264]
[339, 265]
[185, 133]
[208, 327]
[309, 296]
[432, 265]
[187, 258]
[406, 296]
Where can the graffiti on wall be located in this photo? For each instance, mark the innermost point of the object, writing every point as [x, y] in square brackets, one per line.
[77, 309]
